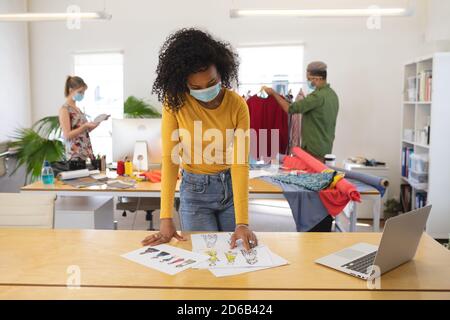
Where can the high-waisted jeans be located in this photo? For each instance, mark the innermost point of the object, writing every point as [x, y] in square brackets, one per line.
[206, 202]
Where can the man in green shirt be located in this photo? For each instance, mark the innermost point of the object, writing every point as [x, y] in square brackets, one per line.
[319, 111]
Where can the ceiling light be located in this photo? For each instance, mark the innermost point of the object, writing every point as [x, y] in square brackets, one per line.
[394, 12]
[101, 15]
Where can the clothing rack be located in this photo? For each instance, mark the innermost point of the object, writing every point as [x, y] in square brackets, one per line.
[263, 83]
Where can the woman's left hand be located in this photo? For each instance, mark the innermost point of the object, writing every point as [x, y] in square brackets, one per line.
[248, 238]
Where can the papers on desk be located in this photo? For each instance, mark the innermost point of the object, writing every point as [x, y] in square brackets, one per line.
[224, 261]
[120, 184]
[83, 182]
[253, 174]
[165, 258]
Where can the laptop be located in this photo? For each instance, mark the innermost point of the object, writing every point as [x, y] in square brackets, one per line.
[398, 245]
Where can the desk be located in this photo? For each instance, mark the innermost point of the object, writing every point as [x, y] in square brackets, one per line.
[258, 189]
[40, 258]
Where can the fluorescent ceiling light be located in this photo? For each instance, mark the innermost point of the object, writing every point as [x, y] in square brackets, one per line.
[394, 12]
[55, 16]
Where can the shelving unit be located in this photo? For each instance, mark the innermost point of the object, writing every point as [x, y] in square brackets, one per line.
[416, 116]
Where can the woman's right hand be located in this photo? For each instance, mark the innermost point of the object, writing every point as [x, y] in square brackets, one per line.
[90, 125]
[167, 231]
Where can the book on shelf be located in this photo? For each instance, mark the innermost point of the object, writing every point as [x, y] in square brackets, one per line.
[407, 152]
[424, 85]
[421, 199]
[405, 197]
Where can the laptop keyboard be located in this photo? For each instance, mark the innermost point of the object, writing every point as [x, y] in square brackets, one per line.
[361, 264]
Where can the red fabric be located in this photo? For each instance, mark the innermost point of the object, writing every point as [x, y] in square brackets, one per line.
[153, 176]
[267, 114]
[334, 200]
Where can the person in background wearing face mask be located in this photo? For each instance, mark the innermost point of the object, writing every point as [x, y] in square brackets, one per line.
[194, 79]
[73, 121]
[319, 111]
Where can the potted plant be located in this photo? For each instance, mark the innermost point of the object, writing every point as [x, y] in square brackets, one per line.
[392, 208]
[36, 144]
[138, 108]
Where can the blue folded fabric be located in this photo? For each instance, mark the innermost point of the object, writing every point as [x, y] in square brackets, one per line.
[306, 206]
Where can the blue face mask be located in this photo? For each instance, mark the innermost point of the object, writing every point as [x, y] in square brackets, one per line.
[311, 86]
[78, 97]
[208, 94]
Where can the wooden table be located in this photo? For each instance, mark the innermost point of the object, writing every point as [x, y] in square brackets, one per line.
[39, 259]
[258, 189]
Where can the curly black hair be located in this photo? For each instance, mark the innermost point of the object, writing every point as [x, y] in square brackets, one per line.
[189, 51]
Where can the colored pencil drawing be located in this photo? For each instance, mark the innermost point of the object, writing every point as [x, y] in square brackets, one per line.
[168, 259]
[186, 263]
[150, 250]
[210, 239]
[251, 256]
[161, 254]
[231, 256]
[213, 257]
[176, 261]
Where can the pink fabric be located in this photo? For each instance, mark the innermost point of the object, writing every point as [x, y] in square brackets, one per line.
[334, 200]
[294, 134]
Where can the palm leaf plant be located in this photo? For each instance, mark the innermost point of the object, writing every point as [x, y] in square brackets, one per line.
[36, 144]
[138, 108]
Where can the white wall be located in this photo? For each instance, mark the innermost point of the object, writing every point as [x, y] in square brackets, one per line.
[14, 72]
[365, 66]
[438, 25]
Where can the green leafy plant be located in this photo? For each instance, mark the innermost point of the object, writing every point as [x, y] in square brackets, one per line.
[48, 127]
[392, 208]
[138, 108]
[37, 144]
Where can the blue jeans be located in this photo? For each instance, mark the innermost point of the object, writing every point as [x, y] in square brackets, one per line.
[206, 202]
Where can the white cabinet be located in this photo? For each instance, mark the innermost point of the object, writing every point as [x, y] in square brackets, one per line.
[431, 108]
[96, 212]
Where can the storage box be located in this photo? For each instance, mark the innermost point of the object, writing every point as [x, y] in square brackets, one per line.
[419, 163]
[418, 177]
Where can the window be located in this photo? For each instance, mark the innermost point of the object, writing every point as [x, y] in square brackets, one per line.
[103, 73]
[279, 67]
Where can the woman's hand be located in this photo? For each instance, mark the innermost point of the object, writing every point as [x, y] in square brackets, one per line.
[167, 231]
[90, 126]
[268, 90]
[249, 239]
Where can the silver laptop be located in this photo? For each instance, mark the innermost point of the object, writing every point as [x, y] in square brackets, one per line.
[398, 245]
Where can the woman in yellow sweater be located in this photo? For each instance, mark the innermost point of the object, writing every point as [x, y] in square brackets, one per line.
[205, 124]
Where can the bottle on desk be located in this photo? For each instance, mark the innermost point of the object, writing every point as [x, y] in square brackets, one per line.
[47, 176]
[120, 168]
[128, 168]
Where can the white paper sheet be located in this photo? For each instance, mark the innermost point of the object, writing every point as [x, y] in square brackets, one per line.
[217, 247]
[165, 258]
[223, 272]
[101, 117]
[253, 174]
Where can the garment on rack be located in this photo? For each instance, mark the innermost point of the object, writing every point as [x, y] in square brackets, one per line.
[295, 120]
[266, 114]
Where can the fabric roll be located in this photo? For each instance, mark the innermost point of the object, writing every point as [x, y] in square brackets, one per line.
[304, 161]
[378, 183]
